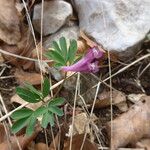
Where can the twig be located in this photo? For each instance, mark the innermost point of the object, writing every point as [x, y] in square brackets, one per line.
[9, 120]
[7, 77]
[22, 57]
[74, 106]
[148, 65]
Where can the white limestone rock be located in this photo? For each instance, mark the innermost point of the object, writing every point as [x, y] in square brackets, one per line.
[67, 32]
[55, 15]
[119, 25]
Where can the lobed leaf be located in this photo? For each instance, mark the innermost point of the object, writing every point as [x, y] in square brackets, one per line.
[19, 124]
[72, 51]
[54, 55]
[46, 87]
[22, 113]
[45, 120]
[56, 102]
[63, 45]
[40, 111]
[56, 110]
[56, 47]
[31, 125]
[27, 95]
[32, 89]
[51, 118]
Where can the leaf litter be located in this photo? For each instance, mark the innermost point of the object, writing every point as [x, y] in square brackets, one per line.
[130, 117]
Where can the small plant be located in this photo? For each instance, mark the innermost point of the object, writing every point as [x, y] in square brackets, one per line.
[64, 57]
[26, 117]
[61, 54]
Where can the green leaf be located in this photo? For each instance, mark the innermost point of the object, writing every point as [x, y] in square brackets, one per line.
[56, 47]
[22, 113]
[18, 125]
[31, 125]
[46, 87]
[56, 110]
[32, 89]
[40, 111]
[45, 120]
[58, 65]
[27, 95]
[72, 51]
[56, 102]
[54, 55]
[51, 118]
[63, 45]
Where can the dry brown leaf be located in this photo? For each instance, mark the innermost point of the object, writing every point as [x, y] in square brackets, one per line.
[90, 42]
[118, 99]
[33, 78]
[2, 133]
[19, 100]
[80, 123]
[9, 22]
[143, 143]
[132, 125]
[24, 141]
[82, 46]
[77, 143]
[135, 97]
[41, 146]
[24, 47]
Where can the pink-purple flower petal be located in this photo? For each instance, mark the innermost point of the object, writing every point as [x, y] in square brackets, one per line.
[88, 63]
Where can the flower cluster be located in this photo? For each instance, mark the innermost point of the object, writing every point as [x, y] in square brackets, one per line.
[89, 63]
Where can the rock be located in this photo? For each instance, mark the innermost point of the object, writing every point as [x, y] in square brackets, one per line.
[119, 26]
[87, 93]
[55, 15]
[67, 32]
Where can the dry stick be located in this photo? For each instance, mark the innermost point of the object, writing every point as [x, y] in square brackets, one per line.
[111, 106]
[32, 30]
[91, 113]
[53, 138]
[6, 131]
[121, 70]
[147, 66]
[57, 84]
[21, 57]
[2, 71]
[74, 106]
[7, 77]
[46, 139]
[41, 41]
[9, 120]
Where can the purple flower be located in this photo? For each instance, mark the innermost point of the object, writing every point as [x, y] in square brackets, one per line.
[88, 63]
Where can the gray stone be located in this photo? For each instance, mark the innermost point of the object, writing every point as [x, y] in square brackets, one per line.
[55, 15]
[67, 32]
[87, 81]
[119, 25]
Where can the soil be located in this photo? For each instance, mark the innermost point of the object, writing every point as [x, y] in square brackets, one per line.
[7, 84]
